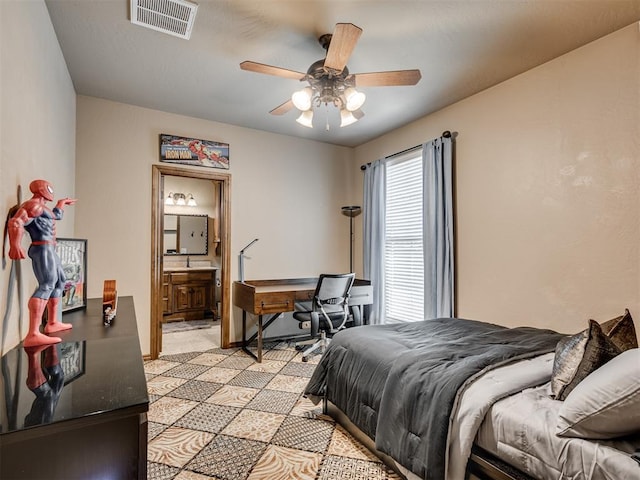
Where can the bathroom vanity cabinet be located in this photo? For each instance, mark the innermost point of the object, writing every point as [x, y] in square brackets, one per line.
[188, 293]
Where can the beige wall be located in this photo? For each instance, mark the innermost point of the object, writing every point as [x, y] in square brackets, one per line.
[37, 129]
[285, 191]
[548, 189]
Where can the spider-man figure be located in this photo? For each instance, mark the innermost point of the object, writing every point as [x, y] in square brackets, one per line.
[39, 221]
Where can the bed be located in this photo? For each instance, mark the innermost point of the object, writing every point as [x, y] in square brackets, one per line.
[438, 400]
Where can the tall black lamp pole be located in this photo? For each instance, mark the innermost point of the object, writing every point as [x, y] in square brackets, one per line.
[351, 211]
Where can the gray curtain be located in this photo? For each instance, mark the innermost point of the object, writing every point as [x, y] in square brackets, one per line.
[438, 229]
[373, 235]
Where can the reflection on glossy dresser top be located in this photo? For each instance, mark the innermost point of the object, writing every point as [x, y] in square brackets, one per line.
[95, 369]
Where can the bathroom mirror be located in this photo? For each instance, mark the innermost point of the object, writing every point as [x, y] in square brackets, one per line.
[185, 234]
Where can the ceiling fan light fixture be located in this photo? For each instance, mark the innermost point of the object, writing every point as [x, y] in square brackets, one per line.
[347, 117]
[329, 79]
[305, 119]
[354, 99]
[302, 99]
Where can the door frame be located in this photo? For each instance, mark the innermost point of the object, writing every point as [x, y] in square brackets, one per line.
[157, 257]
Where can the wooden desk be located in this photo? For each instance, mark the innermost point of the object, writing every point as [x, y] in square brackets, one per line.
[260, 297]
[92, 426]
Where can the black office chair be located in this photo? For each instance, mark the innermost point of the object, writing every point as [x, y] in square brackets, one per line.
[327, 312]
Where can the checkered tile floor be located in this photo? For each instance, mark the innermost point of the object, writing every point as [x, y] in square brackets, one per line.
[220, 415]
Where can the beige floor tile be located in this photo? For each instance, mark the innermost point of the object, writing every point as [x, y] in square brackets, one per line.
[233, 396]
[281, 463]
[254, 425]
[176, 446]
[269, 366]
[344, 445]
[218, 375]
[283, 355]
[156, 367]
[167, 410]
[161, 385]
[209, 359]
[241, 353]
[305, 408]
[288, 383]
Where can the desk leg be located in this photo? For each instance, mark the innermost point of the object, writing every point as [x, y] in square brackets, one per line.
[258, 335]
[259, 352]
[245, 343]
[244, 329]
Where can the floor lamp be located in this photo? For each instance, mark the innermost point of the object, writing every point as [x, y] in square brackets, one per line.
[351, 211]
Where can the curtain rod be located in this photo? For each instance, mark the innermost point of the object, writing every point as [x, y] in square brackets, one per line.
[445, 134]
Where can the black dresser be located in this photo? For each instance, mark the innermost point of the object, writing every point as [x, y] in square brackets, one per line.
[88, 420]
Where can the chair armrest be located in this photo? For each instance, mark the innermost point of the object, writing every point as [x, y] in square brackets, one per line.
[315, 324]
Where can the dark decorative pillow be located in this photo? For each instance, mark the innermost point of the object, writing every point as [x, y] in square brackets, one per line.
[579, 355]
[621, 331]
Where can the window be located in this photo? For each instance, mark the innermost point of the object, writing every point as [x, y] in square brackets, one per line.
[403, 262]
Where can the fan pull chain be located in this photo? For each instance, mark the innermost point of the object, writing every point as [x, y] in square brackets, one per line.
[326, 116]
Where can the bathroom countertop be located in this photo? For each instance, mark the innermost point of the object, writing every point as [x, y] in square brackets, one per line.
[184, 268]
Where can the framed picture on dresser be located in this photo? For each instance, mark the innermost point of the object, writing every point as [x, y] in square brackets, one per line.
[73, 256]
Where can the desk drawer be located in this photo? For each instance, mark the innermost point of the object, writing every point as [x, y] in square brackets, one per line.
[361, 295]
[274, 303]
[304, 295]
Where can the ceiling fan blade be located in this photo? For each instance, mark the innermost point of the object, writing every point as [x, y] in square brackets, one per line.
[343, 41]
[388, 79]
[282, 109]
[270, 70]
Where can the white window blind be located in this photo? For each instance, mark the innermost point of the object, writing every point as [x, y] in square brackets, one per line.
[404, 265]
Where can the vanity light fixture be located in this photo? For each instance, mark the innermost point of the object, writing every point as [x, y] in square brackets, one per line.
[180, 199]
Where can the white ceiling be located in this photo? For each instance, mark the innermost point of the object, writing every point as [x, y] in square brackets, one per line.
[460, 46]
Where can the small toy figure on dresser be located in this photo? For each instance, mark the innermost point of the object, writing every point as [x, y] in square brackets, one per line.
[109, 301]
[39, 221]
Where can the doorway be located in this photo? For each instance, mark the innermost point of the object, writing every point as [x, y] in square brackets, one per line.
[223, 182]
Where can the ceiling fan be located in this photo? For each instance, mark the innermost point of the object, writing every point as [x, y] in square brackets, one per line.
[329, 80]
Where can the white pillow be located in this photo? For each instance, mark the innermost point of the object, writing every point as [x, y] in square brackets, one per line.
[606, 404]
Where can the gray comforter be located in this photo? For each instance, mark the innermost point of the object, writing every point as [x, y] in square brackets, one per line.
[398, 382]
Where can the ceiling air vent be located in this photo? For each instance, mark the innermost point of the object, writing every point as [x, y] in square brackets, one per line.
[174, 17]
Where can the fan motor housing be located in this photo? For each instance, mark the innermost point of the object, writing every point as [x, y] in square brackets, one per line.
[327, 84]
